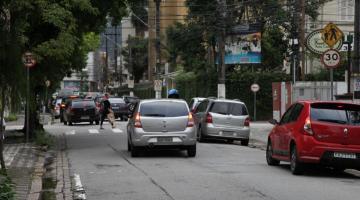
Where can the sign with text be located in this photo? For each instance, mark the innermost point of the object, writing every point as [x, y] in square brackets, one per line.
[331, 58]
[316, 44]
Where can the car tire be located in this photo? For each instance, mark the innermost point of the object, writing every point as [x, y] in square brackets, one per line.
[97, 122]
[134, 151]
[129, 146]
[191, 151]
[269, 152]
[230, 141]
[244, 142]
[65, 122]
[200, 136]
[70, 123]
[296, 167]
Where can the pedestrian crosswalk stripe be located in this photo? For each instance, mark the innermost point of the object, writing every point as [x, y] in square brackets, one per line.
[93, 131]
[117, 130]
[72, 132]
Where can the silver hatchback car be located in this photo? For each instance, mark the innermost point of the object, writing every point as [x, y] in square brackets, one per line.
[221, 118]
[161, 124]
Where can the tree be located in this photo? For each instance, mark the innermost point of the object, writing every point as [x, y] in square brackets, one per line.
[136, 56]
[54, 31]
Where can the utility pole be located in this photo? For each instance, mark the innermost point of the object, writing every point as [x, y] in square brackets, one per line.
[105, 82]
[115, 52]
[356, 63]
[221, 45]
[302, 38]
[158, 53]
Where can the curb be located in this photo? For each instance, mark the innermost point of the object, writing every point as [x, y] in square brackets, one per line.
[36, 184]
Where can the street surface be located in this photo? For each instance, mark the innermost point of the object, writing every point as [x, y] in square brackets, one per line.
[219, 170]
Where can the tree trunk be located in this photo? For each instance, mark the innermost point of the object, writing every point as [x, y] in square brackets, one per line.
[2, 161]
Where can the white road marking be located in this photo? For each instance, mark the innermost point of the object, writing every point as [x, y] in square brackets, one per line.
[14, 127]
[72, 132]
[117, 130]
[79, 189]
[93, 131]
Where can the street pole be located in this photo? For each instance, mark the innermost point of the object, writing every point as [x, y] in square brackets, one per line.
[332, 84]
[221, 43]
[348, 42]
[27, 103]
[355, 66]
[302, 38]
[115, 52]
[106, 65]
[254, 106]
[158, 56]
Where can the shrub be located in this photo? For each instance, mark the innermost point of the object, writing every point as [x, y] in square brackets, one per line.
[11, 117]
[6, 188]
[43, 138]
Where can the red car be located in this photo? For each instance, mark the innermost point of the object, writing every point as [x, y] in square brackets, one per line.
[316, 132]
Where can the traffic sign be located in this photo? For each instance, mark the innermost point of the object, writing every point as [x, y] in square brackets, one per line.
[315, 43]
[255, 87]
[331, 34]
[157, 85]
[331, 58]
[29, 60]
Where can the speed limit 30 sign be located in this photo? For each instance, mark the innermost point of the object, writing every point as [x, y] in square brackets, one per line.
[331, 58]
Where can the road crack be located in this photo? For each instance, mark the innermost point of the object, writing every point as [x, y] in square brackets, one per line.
[143, 172]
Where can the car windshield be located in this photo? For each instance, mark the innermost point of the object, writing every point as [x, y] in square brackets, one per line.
[81, 104]
[226, 108]
[164, 109]
[336, 113]
[116, 100]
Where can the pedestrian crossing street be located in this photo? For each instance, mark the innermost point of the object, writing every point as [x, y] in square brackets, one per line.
[96, 131]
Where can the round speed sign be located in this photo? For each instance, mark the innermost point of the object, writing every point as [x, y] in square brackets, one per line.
[331, 58]
[255, 87]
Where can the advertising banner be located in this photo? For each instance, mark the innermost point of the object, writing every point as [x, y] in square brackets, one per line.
[243, 48]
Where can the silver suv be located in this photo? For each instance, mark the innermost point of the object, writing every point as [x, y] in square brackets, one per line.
[221, 118]
[161, 124]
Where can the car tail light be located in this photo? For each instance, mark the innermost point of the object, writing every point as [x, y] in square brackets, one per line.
[307, 127]
[247, 122]
[62, 105]
[137, 121]
[190, 120]
[209, 119]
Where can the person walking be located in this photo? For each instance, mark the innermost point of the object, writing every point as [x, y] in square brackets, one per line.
[106, 109]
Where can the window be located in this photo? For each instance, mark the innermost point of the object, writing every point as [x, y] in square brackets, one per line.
[296, 112]
[238, 109]
[202, 106]
[287, 116]
[333, 113]
[163, 109]
[346, 10]
[226, 108]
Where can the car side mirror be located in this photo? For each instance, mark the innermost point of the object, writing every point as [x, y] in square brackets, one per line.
[273, 122]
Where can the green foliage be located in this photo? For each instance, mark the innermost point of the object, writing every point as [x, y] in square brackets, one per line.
[11, 117]
[136, 56]
[6, 188]
[91, 41]
[44, 139]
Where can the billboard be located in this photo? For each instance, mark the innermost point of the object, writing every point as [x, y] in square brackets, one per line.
[243, 48]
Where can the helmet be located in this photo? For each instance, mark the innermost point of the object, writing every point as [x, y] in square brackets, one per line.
[172, 92]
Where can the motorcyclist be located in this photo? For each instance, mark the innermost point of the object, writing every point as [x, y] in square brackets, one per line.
[173, 94]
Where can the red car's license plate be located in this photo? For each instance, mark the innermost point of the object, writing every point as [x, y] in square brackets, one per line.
[345, 155]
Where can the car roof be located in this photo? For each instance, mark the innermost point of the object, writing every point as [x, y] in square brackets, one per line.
[199, 98]
[226, 100]
[320, 101]
[163, 100]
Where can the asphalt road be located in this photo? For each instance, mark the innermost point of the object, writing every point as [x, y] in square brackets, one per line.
[219, 171]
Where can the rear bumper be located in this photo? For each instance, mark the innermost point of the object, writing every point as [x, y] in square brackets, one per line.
[140, 138]
[313, 151]
[226, 132]
[80, 119]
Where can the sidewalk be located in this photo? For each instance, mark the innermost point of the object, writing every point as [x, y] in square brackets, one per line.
[28, 166]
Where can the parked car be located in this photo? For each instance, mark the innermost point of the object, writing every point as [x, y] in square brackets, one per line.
[120, 108]
[79, 110]
[316, 132]
[195, 102]
[161, 124]
[224, 119]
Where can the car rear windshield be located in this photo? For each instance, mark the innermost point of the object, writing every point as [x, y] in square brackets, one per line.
[336, 113]
[226, 108]
[82, 104]
[163, 109]
[116, 101]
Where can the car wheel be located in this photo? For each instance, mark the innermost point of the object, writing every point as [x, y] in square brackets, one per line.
[65, 122]
[200, 136]
[295, 166]
[244, 142]
[230, 141]
[134, 151]
[70, 123]
[129, 146]
[191, 151]
[269, 153]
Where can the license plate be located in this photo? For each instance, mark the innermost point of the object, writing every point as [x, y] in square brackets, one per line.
[115, 108]
[85, 117]
[164, 139]
[228, 133]
[345, 155]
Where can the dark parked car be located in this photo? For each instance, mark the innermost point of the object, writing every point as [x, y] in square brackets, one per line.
[79, 110]
[316, 132]
[64, 101]
[120, 108]
[131, 99]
